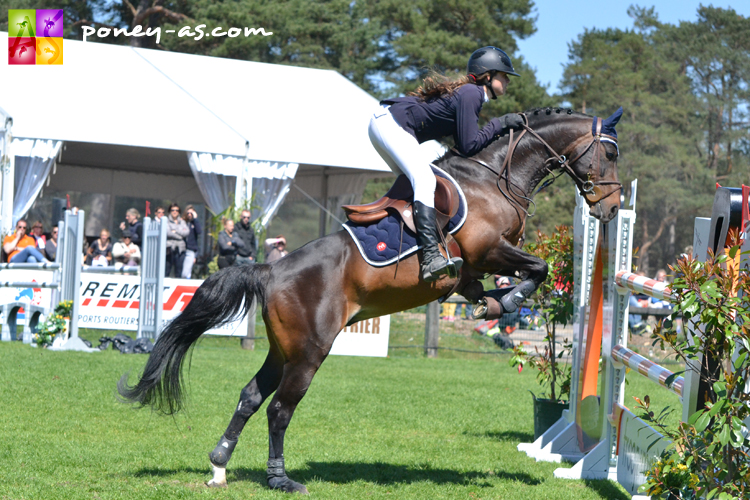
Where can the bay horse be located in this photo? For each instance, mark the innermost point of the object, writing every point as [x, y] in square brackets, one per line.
[310, 295]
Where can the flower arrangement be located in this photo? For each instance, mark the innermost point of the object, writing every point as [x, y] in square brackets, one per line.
[54, 325]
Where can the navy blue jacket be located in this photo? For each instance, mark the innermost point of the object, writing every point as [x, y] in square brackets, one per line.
[455, 114]
[192, 238]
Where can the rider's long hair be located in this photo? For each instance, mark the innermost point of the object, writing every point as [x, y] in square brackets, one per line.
[436, 84]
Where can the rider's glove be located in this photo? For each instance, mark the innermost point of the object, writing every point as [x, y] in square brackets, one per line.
[511, 121]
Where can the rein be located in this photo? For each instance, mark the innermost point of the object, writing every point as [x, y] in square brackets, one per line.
[590, 188]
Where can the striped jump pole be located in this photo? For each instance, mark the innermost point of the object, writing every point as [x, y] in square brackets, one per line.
[622, 356]
[642, 284]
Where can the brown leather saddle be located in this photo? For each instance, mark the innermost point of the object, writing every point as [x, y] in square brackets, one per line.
[399, 199]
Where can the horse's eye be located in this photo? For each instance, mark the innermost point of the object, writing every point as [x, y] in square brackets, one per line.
[610, 156]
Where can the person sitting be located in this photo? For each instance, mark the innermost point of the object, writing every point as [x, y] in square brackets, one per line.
[20, 247]
[275, 248]
[37, 232]
[509, 321]
[51, 247]
[229, 242]
[125, 252]
[99, 253]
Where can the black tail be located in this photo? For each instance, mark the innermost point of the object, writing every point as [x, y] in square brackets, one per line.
[223, 297]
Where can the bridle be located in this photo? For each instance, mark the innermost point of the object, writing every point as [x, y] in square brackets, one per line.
[590, 187]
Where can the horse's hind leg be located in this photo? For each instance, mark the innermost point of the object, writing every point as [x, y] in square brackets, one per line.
[293, 386]
[252, 396]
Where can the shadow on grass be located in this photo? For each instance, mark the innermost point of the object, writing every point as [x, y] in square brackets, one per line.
[515, 436]
[345, 472]
[606, 489]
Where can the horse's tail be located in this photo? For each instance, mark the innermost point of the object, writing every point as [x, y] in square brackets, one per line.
[223, 297]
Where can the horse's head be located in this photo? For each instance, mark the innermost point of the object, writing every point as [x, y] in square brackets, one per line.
[592, 163]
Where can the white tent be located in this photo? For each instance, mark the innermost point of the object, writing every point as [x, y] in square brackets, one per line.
[129, 118]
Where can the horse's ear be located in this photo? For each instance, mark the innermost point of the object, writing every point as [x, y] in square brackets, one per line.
[608, 124]
[612, 120]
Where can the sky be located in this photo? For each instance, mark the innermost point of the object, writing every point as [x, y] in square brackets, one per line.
[561, 21]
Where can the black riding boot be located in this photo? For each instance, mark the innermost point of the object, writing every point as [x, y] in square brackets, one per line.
[434, 265]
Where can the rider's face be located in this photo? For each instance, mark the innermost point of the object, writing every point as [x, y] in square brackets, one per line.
[499, 83]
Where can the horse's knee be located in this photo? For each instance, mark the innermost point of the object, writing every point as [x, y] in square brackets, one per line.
[538, 271]
[250, 401]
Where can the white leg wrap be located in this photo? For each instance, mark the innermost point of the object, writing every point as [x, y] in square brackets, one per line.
[220, 478]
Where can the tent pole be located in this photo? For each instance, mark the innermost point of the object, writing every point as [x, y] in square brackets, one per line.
[8, 163]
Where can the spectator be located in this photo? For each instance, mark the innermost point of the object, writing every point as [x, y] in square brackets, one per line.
[159, 213]
[51, 247]
[229, 242]
[275, 248]
[125, 252]
[134, 225]
[99, 253]
[246, 255]
[191, 242]
[37, 232]
[20, 247]
[177, 232]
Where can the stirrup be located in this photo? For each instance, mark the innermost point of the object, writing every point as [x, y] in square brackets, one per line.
[450, 268]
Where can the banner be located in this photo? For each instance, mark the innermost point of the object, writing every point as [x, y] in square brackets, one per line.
[110, 302]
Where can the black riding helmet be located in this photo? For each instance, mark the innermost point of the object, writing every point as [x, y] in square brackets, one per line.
[489, 59]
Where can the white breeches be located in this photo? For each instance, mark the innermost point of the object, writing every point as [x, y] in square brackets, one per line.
[402, 153]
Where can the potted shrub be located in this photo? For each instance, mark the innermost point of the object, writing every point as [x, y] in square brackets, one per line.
[554, 302]
[708, 457]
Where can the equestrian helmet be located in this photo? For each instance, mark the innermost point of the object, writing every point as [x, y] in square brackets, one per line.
[490, 59]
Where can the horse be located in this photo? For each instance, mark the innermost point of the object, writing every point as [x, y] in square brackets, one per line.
[311, 294]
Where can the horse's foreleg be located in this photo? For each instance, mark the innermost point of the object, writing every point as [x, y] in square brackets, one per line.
[294, 385]
[512, 261]
[252, 396]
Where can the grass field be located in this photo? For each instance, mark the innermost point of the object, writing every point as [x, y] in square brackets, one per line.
[397, 427]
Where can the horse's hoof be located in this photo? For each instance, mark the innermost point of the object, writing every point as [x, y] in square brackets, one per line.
[220, 478]
[286, 485]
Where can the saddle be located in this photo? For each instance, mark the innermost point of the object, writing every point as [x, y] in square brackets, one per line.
[398, 200]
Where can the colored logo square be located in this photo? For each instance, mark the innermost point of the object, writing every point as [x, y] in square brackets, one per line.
[49, 50]
[49, 22]
[21, 50]
[21, 23]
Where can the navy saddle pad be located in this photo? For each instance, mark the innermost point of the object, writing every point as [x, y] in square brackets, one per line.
[378, 242]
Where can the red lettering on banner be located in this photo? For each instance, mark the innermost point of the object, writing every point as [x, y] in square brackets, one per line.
[179, 292]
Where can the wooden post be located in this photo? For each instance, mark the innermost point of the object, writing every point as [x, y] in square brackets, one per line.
[432, 329]
[248, 343]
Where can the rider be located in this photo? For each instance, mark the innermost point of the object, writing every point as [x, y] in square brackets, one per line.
[441, 107]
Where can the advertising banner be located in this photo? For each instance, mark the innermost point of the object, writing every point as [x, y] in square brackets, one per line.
[110, 302]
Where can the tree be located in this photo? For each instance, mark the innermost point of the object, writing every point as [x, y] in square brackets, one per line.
[715, 55]
[658, 131]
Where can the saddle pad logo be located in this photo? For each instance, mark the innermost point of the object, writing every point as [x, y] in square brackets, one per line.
[381, 246]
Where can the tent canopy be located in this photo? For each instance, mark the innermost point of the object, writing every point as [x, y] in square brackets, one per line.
[141, 110]
[122, 95]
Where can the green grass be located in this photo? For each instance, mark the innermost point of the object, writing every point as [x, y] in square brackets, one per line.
[397, 427]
